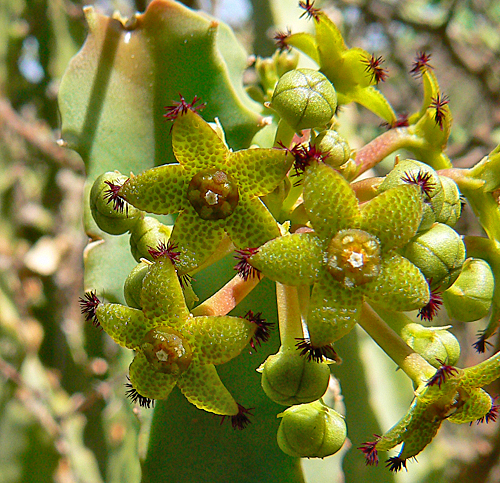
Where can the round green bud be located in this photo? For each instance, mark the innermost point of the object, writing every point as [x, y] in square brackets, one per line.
[288, 378]
[311, 431]
[435, 344]
[304, 98]
[409, 169]
[470, 297]
[108, 219]
[148, 233]
[133, 285]
[439, 253]
[336, 146]
[452, 206]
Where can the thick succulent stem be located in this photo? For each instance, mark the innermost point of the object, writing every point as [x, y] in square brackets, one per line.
[413, 364]
[290, 322]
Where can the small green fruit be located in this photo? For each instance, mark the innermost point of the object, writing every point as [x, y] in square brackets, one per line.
[336, 146]
[452, 206]
[311, 431]
[133, 285]
[439, 253]
[409, 168]
[304, 98]
[109, 219]
[288, 378]
[148, 233]
[435, 344]
[470, 297]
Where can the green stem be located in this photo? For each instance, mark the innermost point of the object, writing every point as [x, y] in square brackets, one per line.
[289, 315]
[413, 364]
[284, 134]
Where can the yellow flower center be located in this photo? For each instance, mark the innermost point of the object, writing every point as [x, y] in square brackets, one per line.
[354, 257]
[167, 350]
[213, 194]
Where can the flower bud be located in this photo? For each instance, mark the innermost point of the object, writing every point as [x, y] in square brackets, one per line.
[288, 378]
[435, 344]
[311, 431]
[133, 285]
[336, 146]
[108, 219]
[439, 253]
[148, 233]
[409, 168]
[304, 98]
[452, 206]
[470, 297]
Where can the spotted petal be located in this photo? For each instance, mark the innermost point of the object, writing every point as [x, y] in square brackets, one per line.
[291, 259]
[161, 296]
[125, 325]
[196, 145]
[251, 224]
[219, 339]
[333, 311]
[400, 285]
[393, 216]
[259, 171]
[148, 382]
[329, 200]
[196, 239]
[160, 190]
[202, 387]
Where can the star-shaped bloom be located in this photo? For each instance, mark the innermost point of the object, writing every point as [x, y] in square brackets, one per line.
[353, 72]
[173, 347]
[453, 394]
[215, 190]
[351, 254]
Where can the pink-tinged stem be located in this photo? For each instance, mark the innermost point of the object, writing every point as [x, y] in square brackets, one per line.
[378, 149]
[227, 298]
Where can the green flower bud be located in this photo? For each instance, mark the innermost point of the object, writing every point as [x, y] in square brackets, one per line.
[109, 219]
[470, 297]
[133, 285]
[335, 145]
[304, 98]
[288, 378]
[439, 253]
[452, 206]
[311, 431]
[409, 168]
[148, 233]
[435, 344]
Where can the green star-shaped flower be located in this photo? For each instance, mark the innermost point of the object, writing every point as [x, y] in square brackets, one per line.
[215, 190]
[453, 394]
[352, 253]
[172, 347]
[353, 72]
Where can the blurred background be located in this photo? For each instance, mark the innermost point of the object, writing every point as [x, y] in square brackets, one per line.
[63, 414]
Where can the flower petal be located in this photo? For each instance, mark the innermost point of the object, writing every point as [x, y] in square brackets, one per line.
[125, 325]
[202, 387]
[333, 311]
[259, 171]
[160, 190]
[148, 382]
[400, 285]
[393, 216]
[219, 339]
[161, 297]
[329, 200]
[196, 239]
[196, 145]
[291, 259]
[251, 224]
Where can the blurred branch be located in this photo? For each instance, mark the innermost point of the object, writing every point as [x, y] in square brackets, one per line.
[38, 137]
